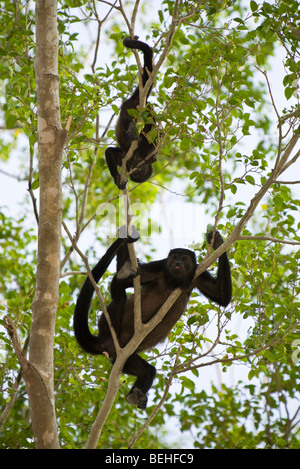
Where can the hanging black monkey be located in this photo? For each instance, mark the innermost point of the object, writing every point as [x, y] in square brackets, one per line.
[126, 132]
[158, 280]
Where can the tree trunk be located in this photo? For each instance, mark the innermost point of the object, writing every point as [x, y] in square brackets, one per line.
[38, 373]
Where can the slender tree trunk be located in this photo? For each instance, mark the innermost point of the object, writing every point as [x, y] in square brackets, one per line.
[51, 139]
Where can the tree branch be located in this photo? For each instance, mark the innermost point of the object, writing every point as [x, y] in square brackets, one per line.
[267, 238]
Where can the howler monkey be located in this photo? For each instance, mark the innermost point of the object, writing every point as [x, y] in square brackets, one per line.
[126, 132]
[158, 280]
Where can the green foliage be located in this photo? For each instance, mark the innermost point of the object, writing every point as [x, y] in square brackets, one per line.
[17, 282]
[253, 416]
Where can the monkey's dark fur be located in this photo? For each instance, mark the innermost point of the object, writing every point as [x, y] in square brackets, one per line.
[145, 154]
[158, 280]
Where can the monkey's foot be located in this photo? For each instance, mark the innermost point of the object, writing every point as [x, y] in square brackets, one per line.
[127, 272]
[137, 397]
[119, 184]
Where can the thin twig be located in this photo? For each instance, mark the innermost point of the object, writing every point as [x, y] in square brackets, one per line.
[159, 405]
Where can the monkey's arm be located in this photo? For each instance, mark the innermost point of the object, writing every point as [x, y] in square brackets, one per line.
[86, 340]
[149, 272]
[217, 289]
[113, 157]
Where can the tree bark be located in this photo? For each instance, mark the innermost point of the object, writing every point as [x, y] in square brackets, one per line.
[39, 371]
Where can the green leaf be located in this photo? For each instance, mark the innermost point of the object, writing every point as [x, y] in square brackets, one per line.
[115, 109]
[253, 6]
[185, 144]
[10, 120]
[260, 59]
[288, 92]
[252, 374]
[187, 383]
[250, 179]
[169, 81]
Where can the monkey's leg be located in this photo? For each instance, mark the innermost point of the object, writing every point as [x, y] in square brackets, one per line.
[145, 373]
[131, 132]
[113, 157]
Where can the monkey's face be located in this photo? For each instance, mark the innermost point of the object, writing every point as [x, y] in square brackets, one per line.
[180, 267]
